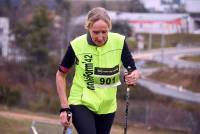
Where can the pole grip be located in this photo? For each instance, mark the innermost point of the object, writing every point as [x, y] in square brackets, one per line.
[129, 69]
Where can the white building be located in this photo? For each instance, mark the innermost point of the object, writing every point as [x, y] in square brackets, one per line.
[162, 5]
[157, 23]
[4, 36]
[192, 6]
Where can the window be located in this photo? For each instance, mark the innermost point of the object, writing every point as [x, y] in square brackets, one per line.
[1, 30]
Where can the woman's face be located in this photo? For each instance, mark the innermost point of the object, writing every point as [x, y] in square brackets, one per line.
[99, 32]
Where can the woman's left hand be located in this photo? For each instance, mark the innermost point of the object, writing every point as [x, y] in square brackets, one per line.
[131, 79]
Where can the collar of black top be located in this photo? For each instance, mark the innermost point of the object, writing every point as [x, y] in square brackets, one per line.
[89, 40]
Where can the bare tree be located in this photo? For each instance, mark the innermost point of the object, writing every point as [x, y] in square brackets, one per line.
[136, 6]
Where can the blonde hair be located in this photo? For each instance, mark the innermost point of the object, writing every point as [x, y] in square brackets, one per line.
[96, 14]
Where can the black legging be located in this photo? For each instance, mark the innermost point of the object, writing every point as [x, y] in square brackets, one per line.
[87, 122]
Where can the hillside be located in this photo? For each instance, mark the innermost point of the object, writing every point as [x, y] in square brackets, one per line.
[33, 88]
[185, 78]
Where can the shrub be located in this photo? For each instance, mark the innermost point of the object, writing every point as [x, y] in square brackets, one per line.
[9, 96]
[14, 97]
[4, 93]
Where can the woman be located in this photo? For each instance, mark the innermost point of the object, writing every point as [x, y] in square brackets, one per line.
[97, 56]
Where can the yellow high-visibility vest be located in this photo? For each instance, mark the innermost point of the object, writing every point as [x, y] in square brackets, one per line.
[97, 71]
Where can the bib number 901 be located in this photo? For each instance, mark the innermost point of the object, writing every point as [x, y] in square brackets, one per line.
[107, 81]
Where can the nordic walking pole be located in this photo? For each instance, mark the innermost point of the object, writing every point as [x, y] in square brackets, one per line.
[64, 130]
[127, 103]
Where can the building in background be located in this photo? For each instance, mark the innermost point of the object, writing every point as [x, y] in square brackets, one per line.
[192, 7]
[163, 5]
[8, 50]
[4, 36]
[155, 23]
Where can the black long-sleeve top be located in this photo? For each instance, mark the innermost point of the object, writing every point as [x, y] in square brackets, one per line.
[69, 58]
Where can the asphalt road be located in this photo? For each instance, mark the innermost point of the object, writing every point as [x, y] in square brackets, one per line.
[171, 57]
[171, 91]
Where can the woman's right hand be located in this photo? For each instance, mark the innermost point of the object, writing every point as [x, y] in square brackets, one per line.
[65, 118]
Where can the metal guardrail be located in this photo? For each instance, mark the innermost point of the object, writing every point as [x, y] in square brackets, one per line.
[33, 129]
[45, 127]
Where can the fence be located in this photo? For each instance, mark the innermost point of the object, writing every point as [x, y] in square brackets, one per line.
[159, 116]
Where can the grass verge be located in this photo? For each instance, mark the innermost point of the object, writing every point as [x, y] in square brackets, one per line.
[195, 58]
[22, 126]
[13, 126]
